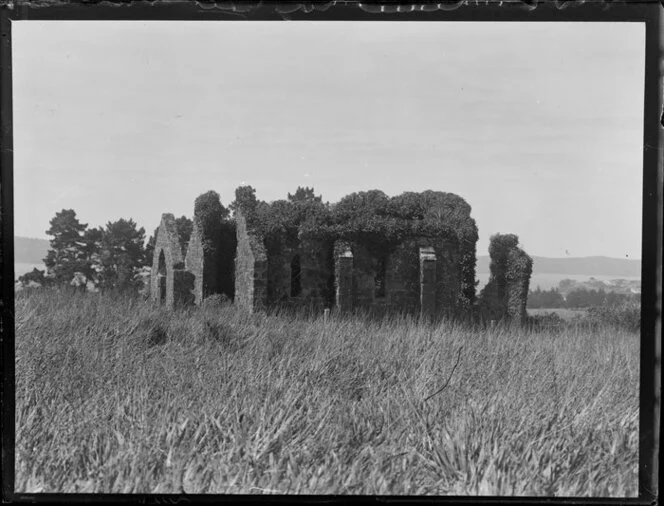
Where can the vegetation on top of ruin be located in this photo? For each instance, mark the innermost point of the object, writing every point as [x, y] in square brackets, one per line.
[509, 265]
[378, 221]
[209, 212]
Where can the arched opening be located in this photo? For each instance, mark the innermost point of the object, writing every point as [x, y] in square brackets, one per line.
[295, 277]
[161, 276]
[379, 278]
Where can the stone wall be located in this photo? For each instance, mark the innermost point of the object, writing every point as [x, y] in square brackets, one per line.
[449, 282]
[519, 270]
[427, 266]
[213, 267]
[170, 276]
[280, 254]
[505, 296]
[364, 272]
[317, 271]
[357, 270]
[195, 262]
[298, 270]
[250, 267]
[271, 258]
[402, 281]
[343, 275]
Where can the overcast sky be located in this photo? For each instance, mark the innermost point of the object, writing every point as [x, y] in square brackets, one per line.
[539, 126]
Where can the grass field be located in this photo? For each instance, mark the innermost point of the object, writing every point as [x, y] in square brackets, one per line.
[116, 395]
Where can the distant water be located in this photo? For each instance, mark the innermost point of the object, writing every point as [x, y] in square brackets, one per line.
[544, 281]
[547, 281]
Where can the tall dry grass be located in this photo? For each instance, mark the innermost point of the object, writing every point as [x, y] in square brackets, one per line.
[118, 395]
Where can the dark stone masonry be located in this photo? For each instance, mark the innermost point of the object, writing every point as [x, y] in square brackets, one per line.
[421, 272]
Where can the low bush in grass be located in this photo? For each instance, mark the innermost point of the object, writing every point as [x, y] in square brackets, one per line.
[119, 395]
[626, 316]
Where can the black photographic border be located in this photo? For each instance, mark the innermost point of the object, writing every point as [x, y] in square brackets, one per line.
[647, 12]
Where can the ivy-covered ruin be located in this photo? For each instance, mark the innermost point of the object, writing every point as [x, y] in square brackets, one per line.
[506, 294]
[412, 253]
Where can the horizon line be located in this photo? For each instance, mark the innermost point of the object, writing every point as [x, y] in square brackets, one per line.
[478, 256]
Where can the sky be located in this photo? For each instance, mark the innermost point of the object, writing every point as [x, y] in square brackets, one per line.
[538, 126]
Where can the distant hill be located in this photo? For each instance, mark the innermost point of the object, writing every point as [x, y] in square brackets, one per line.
[588, 266]
[30, 251]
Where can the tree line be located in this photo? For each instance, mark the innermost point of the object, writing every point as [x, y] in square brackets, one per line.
[116, 257]
[113, 257]
[577, 298]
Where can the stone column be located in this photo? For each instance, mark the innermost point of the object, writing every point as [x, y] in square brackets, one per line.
[344, 277]
[250, 267]
[427, 282]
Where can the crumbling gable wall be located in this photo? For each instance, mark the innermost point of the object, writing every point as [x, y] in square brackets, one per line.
[170, 283]
[506, 294]
[250, 267]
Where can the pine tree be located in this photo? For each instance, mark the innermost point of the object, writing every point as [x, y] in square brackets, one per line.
[68, 254]
[122, 255]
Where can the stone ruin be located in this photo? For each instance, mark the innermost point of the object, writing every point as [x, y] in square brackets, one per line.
[421, 274]
[170, 282]
[505, 296]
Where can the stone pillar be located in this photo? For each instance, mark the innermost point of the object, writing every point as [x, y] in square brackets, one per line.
[195, 263]
[427, 282]
[344, 277]
[517, 281]
[250, 267]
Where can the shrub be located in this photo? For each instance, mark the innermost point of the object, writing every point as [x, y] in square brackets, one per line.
[546, 321]
[626, 316]
[217, 300]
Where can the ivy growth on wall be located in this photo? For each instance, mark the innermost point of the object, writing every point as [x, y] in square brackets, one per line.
[506, 293]
[371, 218]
